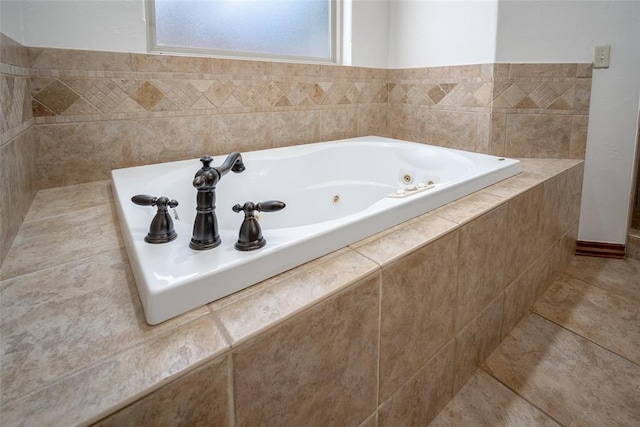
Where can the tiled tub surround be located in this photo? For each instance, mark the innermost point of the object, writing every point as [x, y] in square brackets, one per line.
[98, 111]
[18, 173]
[83, 113]
[78, 349]
[512, 110]
[121, 110]
[382, 332]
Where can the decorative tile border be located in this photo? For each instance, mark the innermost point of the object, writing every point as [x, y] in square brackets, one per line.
[15, 131]
[115, 86]
[210, 94]
[491, 108]
[16, 109]
[18, 183]
[134, 83]
[109, 106]
[500, 109]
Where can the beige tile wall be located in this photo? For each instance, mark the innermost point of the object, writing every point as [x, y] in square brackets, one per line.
[97, 111]
[514, 110]
[200, 398]
[18, 180]
[541, 109]
[447, 106]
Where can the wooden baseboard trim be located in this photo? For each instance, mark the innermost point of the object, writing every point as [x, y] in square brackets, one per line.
[599, 249]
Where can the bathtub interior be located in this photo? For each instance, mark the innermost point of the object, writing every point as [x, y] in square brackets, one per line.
[336, 193]
[318, 183]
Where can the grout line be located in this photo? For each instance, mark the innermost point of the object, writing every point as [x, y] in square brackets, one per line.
[521, 396]
[61, 264]
[419, 370]
[380, 296]
[482, 366]
[70, 213]
[220, 325]
[614, 292]
[582, 336]
[307, 306]
[231, 404]
[148, 390]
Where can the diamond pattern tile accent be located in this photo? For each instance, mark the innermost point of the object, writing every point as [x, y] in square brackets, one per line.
[252, 93]
[340, 93]
[417, 95]
[40, 110]
[448, 87]
[565, 102]
[80, 107]
[219, 91]
[165, 104]
[12, 90]
[202, 103]
[5, 104]
[512, 96]
[148, 95]
[128, 86]
[437, 94]
[103, 94]
[396, 94]
[372, 93]
[526, 103]
[317, 92]
[458, 96]
[57, 97]
[128, 106]
[181, 92]
[93, 93]
[543, 95]
[482, 96]
[499, 88]
[535, 95]
[303, 93]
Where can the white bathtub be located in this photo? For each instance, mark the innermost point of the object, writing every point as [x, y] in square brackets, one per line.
[336, 193]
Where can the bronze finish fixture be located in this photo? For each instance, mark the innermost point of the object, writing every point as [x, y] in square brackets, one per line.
[250, 235]
[205, 227]
[161, 229]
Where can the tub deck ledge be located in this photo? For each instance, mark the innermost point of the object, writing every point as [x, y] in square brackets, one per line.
[76, 347]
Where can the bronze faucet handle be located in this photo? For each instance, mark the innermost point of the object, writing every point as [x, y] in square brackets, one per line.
[161, 202]
[250, 235]
[268, 206]
[161, 229]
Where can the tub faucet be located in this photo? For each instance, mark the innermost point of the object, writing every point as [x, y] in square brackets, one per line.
[205, 227]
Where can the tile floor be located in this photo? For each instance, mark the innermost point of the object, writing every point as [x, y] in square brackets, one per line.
[573, 360]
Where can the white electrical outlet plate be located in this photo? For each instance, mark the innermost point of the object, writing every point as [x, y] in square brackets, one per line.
[601, 59]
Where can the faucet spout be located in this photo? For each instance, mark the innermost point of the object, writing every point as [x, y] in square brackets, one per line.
[233, 162]
[205, 227]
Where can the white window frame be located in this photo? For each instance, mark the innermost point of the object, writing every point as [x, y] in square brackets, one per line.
[336, 14]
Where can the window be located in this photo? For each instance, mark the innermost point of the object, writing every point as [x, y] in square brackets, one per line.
[284, 29]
